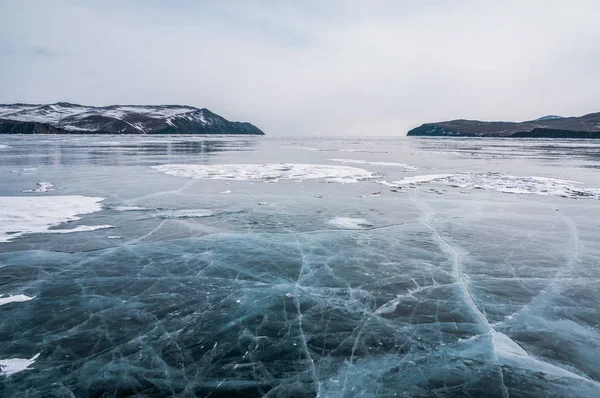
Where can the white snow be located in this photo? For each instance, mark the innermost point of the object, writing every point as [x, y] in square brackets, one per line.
[421, 179]
[349, 223]
[129, 208]
[267, 172]
[21, 215]
[10, 109]
[356, 161]
[54, 114]
[184, 213]
[17, 298]
[2, 146]
[506, 183]
[43, 187]
[14, 365]
[169, 213]
[81, 228]
[46, 113]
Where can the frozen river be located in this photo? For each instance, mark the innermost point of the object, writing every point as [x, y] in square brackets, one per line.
[190, 266]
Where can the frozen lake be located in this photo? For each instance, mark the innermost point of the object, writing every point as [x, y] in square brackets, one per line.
[191, 266]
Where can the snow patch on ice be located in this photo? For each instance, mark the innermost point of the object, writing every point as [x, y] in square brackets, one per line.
[422, 179]
[42, 187]
[14, 365]
[21, 215]
[3, 146]
[184, 213]
[129, 208]
[81, 228]
[506, 183]
[356, 161]
[349, 223]
[267, 172]
[17, 298]
[168, 213]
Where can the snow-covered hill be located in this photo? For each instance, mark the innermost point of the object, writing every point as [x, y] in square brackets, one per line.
[548, 117]
[64, 117]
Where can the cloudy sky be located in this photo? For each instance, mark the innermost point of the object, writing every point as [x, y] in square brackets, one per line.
[343, 67]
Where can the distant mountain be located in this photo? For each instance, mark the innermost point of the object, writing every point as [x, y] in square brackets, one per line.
[66, 118]
[587, 126]
[548, 117]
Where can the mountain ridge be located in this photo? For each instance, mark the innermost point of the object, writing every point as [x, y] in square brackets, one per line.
[69, 118]
[586, 126]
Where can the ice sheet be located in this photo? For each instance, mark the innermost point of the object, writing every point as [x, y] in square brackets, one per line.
[267, 172]
[20, 215]
[304, 289]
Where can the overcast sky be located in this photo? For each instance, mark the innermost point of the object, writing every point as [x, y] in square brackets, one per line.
[343, 67]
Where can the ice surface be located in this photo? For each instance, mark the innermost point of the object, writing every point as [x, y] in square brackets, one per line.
[507, 184]
[267, 172]
[505, 344]
[312, 149]
[22, 215]
[15, 365]
[17, 298]
[393, 164]
[2, 146]
[321, 291]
